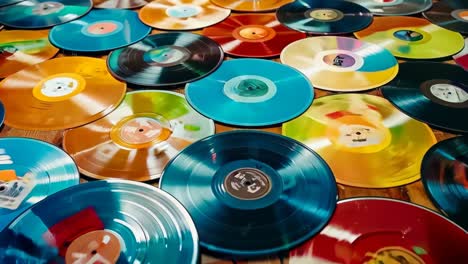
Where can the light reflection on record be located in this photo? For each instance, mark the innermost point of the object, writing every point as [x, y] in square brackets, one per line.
[366, 141]
[119, 4]
[182, 15]
[22, 48]
[60, 93]
[137, 139]
[394, 7]
[251, 5]
[461, 58]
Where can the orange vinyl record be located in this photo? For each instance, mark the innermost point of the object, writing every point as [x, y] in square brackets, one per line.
[251, 5]
[136, 140]
[22, 48]
[182, 14]
[60, 93]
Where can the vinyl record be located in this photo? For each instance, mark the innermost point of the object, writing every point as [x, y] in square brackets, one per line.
[252, 35]
[412, 37]
[9, 2]
[30, 170]
[444, 172]
[324, 16]
[119, 4]
[379, 230]
[166, 59]
[252, 193]
[252, 5]
[103, 222]
[22, 48]
[449, 14]
[60, 93]
[461, 58]
[100, 30]
[251, 92]
[432, 92]
[43, 13]
[341, 64]
[182, 15]
[394, 7]
[366, 141]
[137, 139]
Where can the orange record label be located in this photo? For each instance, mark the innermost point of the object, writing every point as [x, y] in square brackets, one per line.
[100, 246]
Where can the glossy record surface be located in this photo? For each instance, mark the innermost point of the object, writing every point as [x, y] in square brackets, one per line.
[252, 35]
[449, 14]
[182, 14]
[60, 93]
[120, 4]
[43, 13]
[301, 198]
[100, 30]
[9, 2]
[22, 48]
[40, 168]
[137, 139]
[394, 7]
[251, 6]
[324, 16]
[166, 59]
[2, 113]
[251, 92]
[410, 92]
[411, 37]
[380, 230]
[149, 224]
[461, 58]
[366, 141]
[444, 172]
[341, 64]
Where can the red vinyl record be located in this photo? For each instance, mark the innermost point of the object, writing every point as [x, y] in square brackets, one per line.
[252, 35]
[381, 230]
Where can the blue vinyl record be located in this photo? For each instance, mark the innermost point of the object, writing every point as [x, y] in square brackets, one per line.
[30, 170]
[43, 13]
[8, 2]
[113, 221]
[324, 16]
[100, 30]
[251, 92]
[252, 193]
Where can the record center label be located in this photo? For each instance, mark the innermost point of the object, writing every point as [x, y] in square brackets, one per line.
[247, 184]
[183, 11]
[94, 247]
[47, 8]
[14, 189]
[102, 28]
[446, 92]
[59, 87]
[460, 14]
[393, 255]
[254, 33]
[408, 35]
[249, 89]
[324, 14]
[339, 60]
[166, 56]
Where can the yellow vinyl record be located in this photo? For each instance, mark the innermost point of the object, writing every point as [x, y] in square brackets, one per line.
[251, 5]
[136, 141]
[365, 140]
[182, 14]
[22, 48]
[341, 64]
[412, 37]
[60, 93]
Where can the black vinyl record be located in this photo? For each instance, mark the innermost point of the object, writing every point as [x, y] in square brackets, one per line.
[324, 16]
[432, 92]
[449, 14]
[166, 59]
[43, 13]
[444, 172]
[252, 193]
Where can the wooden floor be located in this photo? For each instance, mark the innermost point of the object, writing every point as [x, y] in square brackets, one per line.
[413, 192]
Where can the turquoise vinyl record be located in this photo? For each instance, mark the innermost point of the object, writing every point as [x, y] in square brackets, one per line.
[111, 221]
[100, 30]
[30, 170]
[251, 92]
[43, 13]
